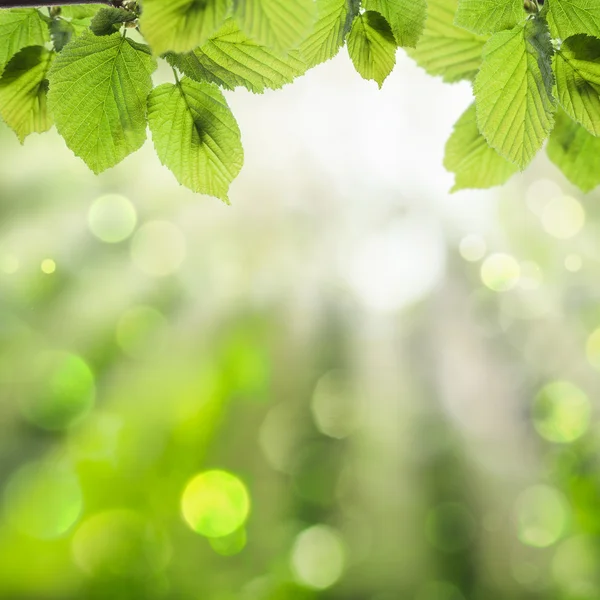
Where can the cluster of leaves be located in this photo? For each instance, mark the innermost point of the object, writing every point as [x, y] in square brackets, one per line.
[88, 70]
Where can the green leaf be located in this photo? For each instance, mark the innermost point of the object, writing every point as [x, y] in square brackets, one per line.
[98, 91]
[279, 24]
[406, 18]
[445, 49]
[575, 152]
[23, 92]
[334, 20]
[513, 91]
[20, 28]
[80, 26]
[570, 17]
[231, 59]
[471, 159]
[372, 47]
[196, 136]
[489, 16]
[61, 32]
[110, 20]
[577, 69]
[181, 25]
[80, 11]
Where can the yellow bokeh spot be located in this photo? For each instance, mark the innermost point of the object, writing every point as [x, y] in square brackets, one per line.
[542, 516]
[472, 248]
[112, 218]
[500, 272]
[318, 557]
[43, 500]
[215, 504]
[561, 412]
[563, 217]
[48, 266]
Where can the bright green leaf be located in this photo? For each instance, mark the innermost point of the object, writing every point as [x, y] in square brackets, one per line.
[489, 16]
[23, 92]
[513, 91]
[181, 25]
[372, 47]
[231, 59]
[570, 17]
[279, 24]
[575, 152]
[577, 70]
[406, 18]
[20, 28]
[471, 159]
[334, 19]
[110, 20]
[445, 49]
[196, 136]
[98, 91]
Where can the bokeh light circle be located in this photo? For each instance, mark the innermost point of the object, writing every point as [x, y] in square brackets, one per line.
[158, 248]
[215, 503]
[333, 406]
[542, 516]
[573, 263]
[539, 193]
[62, 390]
[592, 349]
[575, 567]
[563, 217]
[561, 412]
[472, 248]
[48, 266]
[500, 272]
[318, 557]
[112, 218]
[119, 542]
[43, 500]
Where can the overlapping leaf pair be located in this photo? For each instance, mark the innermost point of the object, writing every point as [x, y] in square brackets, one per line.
[88, 69]
[536, 72]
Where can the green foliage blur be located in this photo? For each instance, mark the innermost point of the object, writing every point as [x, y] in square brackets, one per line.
[320, 392]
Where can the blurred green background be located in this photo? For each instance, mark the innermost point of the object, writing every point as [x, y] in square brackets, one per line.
[348, 385]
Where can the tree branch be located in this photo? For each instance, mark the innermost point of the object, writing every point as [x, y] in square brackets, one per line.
[41, 3]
